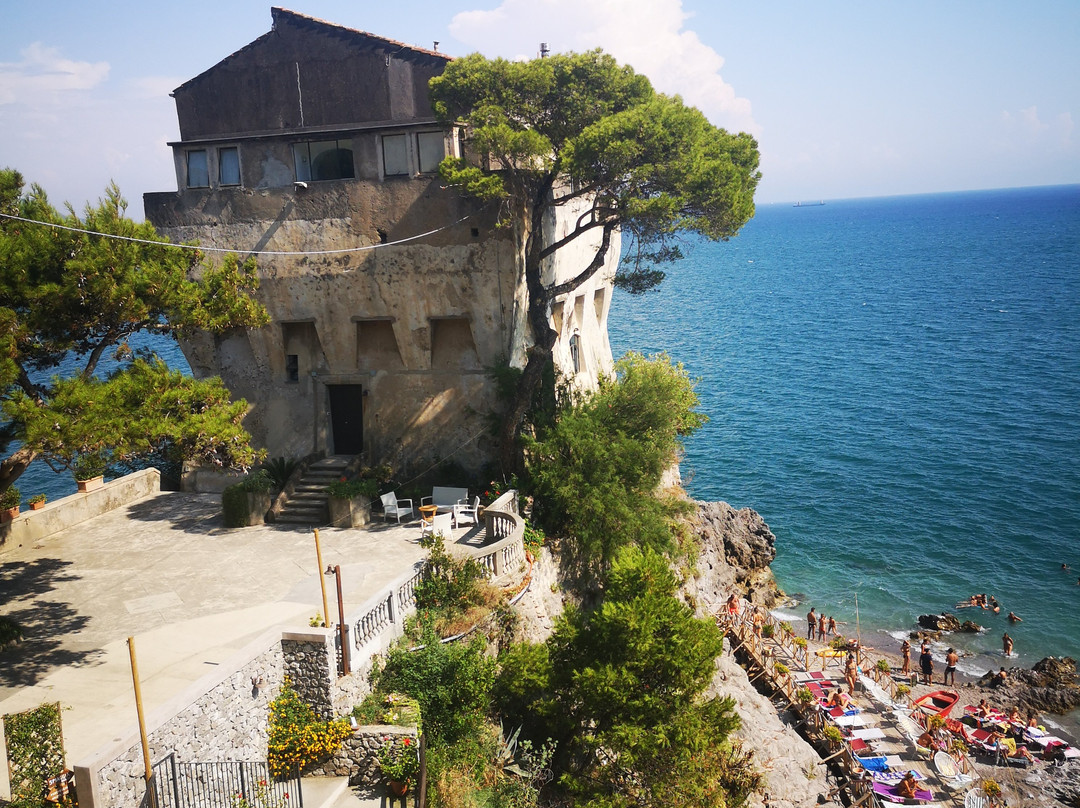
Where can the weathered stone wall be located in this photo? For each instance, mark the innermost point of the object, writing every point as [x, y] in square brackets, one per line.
[224, 718]
[358, 757]
[31, 526]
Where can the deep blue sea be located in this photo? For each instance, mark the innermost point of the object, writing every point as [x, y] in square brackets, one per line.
[894, 384]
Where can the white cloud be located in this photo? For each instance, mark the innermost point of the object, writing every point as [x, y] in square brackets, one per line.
[647, 34]
[43, 72]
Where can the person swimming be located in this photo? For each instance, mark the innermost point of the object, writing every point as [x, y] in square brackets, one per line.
[1013, 618]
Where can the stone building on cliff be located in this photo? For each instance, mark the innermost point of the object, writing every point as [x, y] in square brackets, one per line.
[314, 148]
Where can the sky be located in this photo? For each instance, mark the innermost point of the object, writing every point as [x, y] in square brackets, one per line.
[846, 99]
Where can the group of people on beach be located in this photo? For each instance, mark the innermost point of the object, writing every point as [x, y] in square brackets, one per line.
[818, 626]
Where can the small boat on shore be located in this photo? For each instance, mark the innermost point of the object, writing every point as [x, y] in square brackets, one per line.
[937, 702]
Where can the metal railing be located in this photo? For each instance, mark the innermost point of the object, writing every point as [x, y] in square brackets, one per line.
[174, 784]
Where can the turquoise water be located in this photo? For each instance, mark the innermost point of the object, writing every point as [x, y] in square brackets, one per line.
[894, 384]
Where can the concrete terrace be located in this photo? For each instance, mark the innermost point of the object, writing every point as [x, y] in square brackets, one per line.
[165, 571]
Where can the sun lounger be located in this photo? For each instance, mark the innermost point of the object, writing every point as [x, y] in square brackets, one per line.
[888, 792]
[849, 721]
[868, 734]
[948, 772]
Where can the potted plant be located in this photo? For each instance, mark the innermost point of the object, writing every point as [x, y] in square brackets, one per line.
[768, 630]
[246, 503]
[9, 503]
[37, 502]
[400, 763]
[89, 471]
[350, 501]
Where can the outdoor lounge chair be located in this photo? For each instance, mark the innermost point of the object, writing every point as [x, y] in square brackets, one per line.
[468, 513]
[441, 523]
[392, 506]
[948, 772]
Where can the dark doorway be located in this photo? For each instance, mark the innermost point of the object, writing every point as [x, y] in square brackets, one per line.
[347, 418]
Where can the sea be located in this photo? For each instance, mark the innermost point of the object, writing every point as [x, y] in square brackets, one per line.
[894, 385]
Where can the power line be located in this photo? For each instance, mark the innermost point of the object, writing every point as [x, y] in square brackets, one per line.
[229, 249]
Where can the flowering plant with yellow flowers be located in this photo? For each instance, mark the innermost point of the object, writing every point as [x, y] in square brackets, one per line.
[297, 737]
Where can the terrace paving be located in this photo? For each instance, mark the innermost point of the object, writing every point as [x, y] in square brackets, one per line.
[165, 571]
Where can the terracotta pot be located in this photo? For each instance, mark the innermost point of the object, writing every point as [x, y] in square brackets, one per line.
[36, 506]
[9, 513]
[398, 788]
[92, 484]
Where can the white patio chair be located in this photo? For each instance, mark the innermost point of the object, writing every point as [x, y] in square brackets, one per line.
[441, 523]
[949, 773]
[468, 513]
[392, 506]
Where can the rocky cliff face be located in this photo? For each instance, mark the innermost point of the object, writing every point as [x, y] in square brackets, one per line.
[736, 548]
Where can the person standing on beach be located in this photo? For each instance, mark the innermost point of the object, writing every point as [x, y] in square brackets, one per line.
[832, 627]
[950, 666]
[905, 649]
[849, 673]
[811, 623]
[821, 626]
[926, 662]
[1006, 644]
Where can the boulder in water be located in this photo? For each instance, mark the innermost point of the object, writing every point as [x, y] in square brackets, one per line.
[939, 622]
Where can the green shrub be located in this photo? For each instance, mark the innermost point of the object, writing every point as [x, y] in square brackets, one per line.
[280, 469]
[258, 482]
[89, 465]
[10, 498]
[596, 470]
[768, 630]
[358, 486]
[395, 709]
[10, 632]
[35, 750]
[534, 538]
[883, 665]
[234, 506]
[803, 695]
[451, 681]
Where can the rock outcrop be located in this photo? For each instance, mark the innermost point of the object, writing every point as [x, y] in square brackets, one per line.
[736, 548]
[947, 622]
[1051, 686]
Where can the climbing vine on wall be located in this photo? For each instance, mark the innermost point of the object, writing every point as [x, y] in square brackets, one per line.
[35, 751]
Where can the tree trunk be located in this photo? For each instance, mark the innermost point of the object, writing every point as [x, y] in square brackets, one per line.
[12, 467]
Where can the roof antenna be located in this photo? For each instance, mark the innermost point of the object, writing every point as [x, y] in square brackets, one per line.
[544, 50]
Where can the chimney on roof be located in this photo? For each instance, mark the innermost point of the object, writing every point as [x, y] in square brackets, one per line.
[435, 47]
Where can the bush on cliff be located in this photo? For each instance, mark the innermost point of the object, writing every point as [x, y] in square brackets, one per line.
[620, 689]
[596, 471]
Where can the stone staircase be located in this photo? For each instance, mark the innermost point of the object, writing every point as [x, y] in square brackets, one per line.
[307, 505]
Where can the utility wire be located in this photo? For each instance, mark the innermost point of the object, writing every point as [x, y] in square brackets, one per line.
[229, 249]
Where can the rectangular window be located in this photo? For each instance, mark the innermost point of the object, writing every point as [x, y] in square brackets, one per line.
[229, 166]
[395, 154]
[292, 368]
[324, 160]
[198, 175]
[432, 149]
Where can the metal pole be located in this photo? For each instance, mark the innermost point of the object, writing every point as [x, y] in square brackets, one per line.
[139, 709]
[343, 630]
[322, 581]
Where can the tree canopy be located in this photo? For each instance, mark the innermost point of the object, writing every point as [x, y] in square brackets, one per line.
[580, 128]
[621, 689]
[597, 468]
[70, 295]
